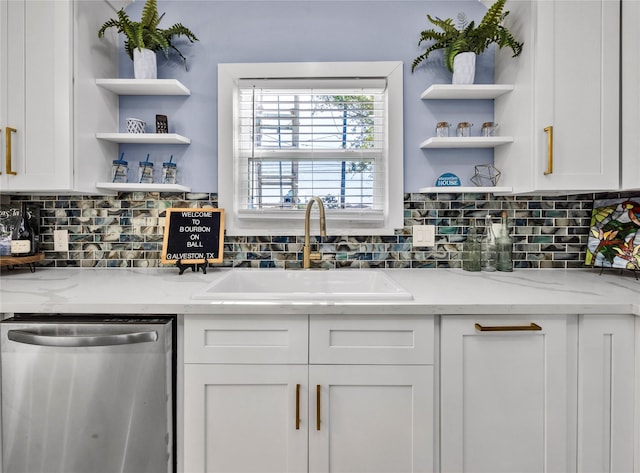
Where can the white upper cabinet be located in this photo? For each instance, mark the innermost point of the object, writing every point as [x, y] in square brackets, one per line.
[630, 174]
[564, 110]
[49, 102]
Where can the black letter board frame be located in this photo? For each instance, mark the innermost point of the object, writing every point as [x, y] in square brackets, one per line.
[193, 236]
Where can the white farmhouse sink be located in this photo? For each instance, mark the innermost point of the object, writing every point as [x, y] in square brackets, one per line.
[302, 285]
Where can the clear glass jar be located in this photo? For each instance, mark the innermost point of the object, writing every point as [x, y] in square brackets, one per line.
[489, 128]
[145, 172]
[169, 173]
[464, 129]
[442, 129]
[119, 171]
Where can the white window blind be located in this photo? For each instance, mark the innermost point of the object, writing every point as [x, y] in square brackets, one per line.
[299, 138]
[291, 131]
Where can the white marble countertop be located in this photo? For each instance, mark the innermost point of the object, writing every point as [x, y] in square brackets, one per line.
[435, 291]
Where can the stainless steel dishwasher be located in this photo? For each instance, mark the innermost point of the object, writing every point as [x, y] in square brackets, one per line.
[85, 394]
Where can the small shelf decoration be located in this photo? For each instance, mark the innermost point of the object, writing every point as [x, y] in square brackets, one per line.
[144, 38]
[461, 42]
[614, 235]
[485, 175]
[448, 179]
[492, 176]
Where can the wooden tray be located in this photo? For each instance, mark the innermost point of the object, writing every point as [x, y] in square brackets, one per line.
[16, 260]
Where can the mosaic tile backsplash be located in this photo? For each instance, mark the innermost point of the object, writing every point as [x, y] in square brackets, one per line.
[127, 231]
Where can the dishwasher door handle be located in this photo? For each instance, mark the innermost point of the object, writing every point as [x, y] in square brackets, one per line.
[30, 338]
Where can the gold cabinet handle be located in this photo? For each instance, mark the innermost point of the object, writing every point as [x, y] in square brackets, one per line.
[317, 407]
[297, 407]
[8, 132]
[507, 328]
[549, 131]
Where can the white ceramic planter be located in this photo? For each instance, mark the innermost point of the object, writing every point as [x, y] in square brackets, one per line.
[464, 68]
[145, 65]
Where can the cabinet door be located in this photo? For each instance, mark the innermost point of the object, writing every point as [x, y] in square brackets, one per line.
[630, 94]
[606, 394]
[579, 94]
[568, 81]
[37, 88]
[370, 419]
[242, 418]
[505, 395]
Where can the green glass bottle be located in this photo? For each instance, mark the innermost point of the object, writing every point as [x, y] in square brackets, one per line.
[504, 247]
[471, 250]
[488, 246]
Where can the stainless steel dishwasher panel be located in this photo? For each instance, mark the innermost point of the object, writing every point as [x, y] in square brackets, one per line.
[82, 395]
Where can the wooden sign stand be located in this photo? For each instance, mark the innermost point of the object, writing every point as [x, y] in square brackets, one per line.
[193, 238]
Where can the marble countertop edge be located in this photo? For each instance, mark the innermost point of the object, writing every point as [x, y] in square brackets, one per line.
[435, 291]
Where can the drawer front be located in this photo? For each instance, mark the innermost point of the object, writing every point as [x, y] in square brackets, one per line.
[371, 339]
[255, 339]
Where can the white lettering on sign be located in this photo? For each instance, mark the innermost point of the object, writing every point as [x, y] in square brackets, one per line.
[181, 256]
[196, 214]
[199, 229]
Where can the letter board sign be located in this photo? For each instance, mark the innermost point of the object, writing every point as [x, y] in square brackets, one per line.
[193, 235]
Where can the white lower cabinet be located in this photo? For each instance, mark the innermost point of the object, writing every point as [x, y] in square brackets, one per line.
[507, 398]
[257, 400]
[606, 394]
[242, 418]
[360, 394]
[370, 419]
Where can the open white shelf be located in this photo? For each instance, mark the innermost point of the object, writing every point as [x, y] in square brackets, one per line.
[149, 138]
[135, 187]
[472, 91]
[460, 189]
[467, 142]
[144, 86]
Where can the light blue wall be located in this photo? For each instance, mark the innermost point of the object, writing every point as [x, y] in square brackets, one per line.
[318, 30]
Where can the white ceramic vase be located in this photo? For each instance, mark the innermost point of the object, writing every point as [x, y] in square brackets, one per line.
[464, 68]
[145, 65]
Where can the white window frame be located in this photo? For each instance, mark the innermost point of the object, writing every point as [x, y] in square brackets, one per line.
[291, 223]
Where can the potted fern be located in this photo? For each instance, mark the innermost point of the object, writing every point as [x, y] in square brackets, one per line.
[144, 38]
[462, 42]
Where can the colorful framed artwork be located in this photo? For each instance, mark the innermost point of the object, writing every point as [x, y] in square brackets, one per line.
[614, 234]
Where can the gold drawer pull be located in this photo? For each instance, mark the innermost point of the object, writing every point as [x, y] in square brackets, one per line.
[297, 407]
[8, 132]
[508, 328]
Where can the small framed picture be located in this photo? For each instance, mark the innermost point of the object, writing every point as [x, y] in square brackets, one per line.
[162, 126]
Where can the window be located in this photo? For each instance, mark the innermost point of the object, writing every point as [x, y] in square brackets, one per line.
[291, 131]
